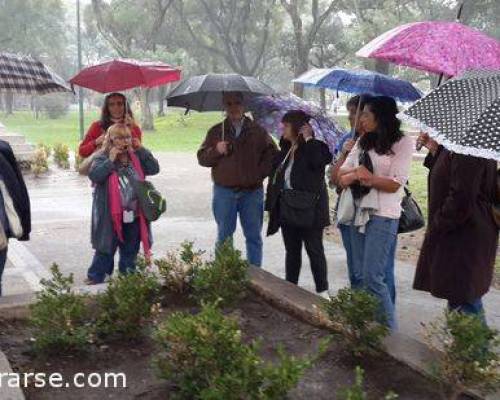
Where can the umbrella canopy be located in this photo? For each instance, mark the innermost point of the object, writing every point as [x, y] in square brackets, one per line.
[122, 74]
[463, 114]
[441, 47]
[204, 92]
[25, 75]
[360, 81]
[268, 111]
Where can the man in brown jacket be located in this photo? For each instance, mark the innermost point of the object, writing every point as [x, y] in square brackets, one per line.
[241, 158]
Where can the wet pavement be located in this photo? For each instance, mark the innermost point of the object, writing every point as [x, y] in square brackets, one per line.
[61, 207]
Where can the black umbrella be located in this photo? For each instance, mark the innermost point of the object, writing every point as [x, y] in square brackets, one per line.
[463, 114]
[25, 75]
[204, 92]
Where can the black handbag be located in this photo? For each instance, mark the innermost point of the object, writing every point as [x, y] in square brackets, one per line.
[411, 218]
[297, 207]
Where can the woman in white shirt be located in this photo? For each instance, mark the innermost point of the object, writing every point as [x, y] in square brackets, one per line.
[390, 152]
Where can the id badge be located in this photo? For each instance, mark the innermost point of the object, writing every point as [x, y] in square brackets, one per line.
[128, 217]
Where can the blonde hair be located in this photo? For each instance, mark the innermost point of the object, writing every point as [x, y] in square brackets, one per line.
[118, 129]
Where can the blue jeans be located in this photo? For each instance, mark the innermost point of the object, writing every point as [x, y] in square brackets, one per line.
[3, 260]
[377, 248]
[103, 263]
[354, 259]
[474, 308]
[227, 204]
[352, 240]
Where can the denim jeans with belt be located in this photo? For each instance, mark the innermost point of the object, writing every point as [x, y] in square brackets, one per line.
[227, 204]
[376, 248]
[103, 263]
[349, 236]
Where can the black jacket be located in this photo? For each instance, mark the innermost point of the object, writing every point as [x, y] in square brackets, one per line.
[14, 182]
[308, 174]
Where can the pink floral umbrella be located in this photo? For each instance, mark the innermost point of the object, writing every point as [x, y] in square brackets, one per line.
[448, 48]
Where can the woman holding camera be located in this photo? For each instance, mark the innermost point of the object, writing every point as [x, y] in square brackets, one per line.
[297, 198]
[117, 220]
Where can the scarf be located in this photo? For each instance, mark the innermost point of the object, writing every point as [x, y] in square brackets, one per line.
[115, 204]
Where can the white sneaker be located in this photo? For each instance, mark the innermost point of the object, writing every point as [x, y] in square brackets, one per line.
[325, 294]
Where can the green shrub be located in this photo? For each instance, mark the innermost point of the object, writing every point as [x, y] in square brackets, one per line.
[46, 147]
[128, 302]
[178, 268]
[61, 155]
[39, 163]
[60, 317]
[54, 106]
[205, 357]
[354, 315]
[357, 392]
[223, 280]
[469, 354]
[78, 160]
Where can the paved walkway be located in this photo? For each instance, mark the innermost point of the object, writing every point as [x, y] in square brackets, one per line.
[61, 203]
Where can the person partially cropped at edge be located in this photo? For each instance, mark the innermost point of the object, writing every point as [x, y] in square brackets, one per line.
[240, 160]
[457, 259]
[15, 214]
[114, 110]
[300, 166]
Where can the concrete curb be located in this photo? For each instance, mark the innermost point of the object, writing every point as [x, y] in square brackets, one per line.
[304, 305]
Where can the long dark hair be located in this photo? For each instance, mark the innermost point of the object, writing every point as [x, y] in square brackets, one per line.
[388, 129]
[106, 115]
[297, 119]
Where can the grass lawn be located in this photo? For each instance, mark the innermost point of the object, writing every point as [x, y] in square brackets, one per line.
[174, 132]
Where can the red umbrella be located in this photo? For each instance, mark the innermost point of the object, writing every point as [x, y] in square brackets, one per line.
[122, 74]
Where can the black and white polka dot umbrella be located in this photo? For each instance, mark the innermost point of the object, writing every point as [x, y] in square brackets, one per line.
[463, 114]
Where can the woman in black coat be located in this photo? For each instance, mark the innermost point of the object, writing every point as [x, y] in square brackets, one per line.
[458, 254]
[300, 167]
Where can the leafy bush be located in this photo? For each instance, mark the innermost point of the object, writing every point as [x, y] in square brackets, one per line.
[61, 155]
[39, 162]
[127, 303]
[354, 315]
[178, 268]
[78, 160]
[356, 390]
[223, 280]
[204, 355]
[469, 354]
[46, 147]
[54, 106]
[60, 317]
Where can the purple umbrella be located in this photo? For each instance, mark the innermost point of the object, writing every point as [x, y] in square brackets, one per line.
[441, 47]
[268, 111]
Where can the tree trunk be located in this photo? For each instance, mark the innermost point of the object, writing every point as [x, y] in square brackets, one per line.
[162, 92]
[9, 103]
[146, 115]
[382, 67]
[322, 99]
[300, 68]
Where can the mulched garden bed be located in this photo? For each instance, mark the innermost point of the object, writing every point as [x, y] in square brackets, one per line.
[257, 319]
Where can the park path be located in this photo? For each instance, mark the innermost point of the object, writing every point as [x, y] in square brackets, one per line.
[61, 205]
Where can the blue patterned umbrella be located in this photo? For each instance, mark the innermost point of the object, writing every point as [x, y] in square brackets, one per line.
[360, 81]
[268, 111]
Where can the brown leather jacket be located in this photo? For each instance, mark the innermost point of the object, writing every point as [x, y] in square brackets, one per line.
[250, 159]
